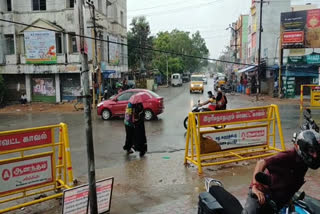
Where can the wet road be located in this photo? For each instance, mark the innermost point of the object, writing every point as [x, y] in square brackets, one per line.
[159, 181]
[164, 135]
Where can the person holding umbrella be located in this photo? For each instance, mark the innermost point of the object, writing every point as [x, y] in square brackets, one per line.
[134, 123]
[140, 139]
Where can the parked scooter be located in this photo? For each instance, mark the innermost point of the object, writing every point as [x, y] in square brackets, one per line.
[217, 200]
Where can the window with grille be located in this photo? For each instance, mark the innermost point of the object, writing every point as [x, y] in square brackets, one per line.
[70, 3]
[9, 43]
[58, 43]
[73, 43]
[121, 18]
[39, 5]
[9, 5]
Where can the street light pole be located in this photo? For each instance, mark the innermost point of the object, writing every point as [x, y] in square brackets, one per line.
[167, 71]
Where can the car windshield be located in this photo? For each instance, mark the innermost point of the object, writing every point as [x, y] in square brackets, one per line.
[196, 79]
[154, 94]
[111, 98]
[175, 76]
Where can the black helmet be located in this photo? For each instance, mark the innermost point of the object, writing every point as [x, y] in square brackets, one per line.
[309, 143]
[210, 94]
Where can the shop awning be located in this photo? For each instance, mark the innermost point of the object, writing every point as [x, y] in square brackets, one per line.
[248, 69]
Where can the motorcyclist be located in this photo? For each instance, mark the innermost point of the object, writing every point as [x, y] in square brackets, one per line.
[286, 170]
[211, 101]
[221, 100]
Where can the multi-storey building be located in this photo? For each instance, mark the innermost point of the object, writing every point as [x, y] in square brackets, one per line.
[46, 64]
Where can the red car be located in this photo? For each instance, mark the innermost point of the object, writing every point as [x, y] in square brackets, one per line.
[116, 105]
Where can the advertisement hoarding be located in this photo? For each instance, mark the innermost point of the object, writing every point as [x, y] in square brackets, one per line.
[40, 47]
[25, 173]
[25, 139]
[114, 51]
[75, 200]
[300, 29]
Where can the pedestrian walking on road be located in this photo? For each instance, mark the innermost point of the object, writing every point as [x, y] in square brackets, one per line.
[129, 126]
[140, 139]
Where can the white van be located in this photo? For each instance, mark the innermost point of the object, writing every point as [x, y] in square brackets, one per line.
[176, 80]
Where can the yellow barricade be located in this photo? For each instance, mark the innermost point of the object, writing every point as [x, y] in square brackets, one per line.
[232, 135]
[314, 97]
[34, 161]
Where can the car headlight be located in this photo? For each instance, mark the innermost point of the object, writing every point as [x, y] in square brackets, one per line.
[192, 85]
[100, 104]
[201, 85]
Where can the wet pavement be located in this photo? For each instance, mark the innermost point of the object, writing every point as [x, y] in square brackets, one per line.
[159, 182]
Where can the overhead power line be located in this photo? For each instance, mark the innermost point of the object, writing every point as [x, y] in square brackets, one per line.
[177, 9]
[133, 46]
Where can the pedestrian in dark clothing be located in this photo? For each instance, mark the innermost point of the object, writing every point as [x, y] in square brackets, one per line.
[221, 101]
[140, 139]
[129, 126]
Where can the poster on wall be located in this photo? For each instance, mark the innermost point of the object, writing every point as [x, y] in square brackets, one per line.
[40, 47]
[114, 51]
[43, 86]
[301, 29]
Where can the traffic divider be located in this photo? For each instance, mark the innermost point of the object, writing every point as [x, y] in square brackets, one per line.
[236, 135]
[34, 161]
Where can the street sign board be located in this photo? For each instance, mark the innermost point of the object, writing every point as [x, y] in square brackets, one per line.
[26, 173]
[75, 200]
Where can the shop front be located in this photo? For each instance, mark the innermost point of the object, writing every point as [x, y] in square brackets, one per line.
[70, 86]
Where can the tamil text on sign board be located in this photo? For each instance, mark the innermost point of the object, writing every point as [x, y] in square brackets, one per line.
[315, 96]
[75, 200]
[25, 173]
[228, 117]
[26, 139]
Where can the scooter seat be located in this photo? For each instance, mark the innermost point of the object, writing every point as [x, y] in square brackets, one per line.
[230, 204]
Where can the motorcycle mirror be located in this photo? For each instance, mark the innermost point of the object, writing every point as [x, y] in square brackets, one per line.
[263, 178]
[307, 113]
[198, 101]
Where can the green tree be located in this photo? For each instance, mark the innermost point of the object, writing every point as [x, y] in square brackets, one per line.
[201, 50]
[139, 36]
[179, 42]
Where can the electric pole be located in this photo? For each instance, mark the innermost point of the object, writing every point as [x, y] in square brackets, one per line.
[259, 50]
[96, 64]
[87, 112]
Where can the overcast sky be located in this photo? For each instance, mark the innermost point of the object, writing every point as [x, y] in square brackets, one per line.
[210, 17]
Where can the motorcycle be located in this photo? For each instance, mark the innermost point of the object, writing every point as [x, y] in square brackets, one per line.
[217, 200]
[197, 108]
